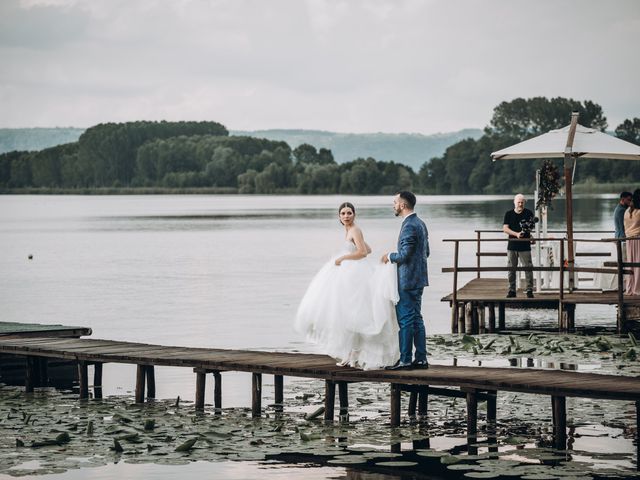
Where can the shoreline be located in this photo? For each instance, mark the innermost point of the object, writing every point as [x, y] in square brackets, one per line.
[578, 188]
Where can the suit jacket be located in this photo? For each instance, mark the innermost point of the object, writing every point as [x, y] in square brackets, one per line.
[413, 250]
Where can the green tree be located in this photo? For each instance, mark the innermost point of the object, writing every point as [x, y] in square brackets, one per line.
[521, 118]
[270, 179]
[306, 153]
[629, 130]
[316, 178]
[247, 181]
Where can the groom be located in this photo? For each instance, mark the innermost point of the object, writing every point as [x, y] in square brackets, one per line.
[411, 257]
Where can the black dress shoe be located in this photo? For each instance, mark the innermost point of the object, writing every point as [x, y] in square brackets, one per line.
[420, 364]
[529, 294]
[511, 294]
[399, 366]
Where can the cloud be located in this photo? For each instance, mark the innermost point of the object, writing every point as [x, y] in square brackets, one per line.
[347, 65]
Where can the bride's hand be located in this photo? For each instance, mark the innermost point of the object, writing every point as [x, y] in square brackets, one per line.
[338, 261]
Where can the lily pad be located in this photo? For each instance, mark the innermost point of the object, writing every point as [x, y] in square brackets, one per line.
[396, 464]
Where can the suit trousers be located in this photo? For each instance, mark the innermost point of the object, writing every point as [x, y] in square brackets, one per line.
[525, 260]
[411, 323]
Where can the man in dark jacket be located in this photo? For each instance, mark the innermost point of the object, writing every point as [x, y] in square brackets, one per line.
[514, 220]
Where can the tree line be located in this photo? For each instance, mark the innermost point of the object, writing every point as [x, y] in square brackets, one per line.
[466, 166]
[195, 155]
[179, 155]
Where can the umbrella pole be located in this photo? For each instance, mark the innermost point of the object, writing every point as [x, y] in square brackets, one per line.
[569, 163]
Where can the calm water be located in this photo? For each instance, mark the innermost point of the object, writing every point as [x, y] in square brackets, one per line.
[218, 271]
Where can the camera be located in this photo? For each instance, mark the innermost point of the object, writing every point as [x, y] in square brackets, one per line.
[527, 225]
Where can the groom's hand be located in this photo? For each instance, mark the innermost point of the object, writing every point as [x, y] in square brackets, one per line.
[385, 258]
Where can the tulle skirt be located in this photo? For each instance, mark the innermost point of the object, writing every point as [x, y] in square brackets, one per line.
[349, 311]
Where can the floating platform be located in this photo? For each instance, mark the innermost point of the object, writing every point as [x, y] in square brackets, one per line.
[26, 330]
[60, 373]
[488, 293]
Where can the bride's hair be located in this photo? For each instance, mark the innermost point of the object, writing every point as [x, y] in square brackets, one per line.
[346, 205]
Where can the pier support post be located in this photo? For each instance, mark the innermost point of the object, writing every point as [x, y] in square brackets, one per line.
[395, 404]
[472, 420]
[30, 374]
[571, 316]
[559, 406]
[501, 317]
[42, 373]
[83, 379]
[461, 317]
[278, 392]
[201, 385]
[329, 399]
[423, 402]
[492, 411]
[454, 317]
[217, 392]
[256, 397]
[97, 380]
[492, 318]
[482, 328]
[638, 435]
[343, 394]
[150, 373]
[413, 403]
[418, 402]
[140, 378]
[468, 307]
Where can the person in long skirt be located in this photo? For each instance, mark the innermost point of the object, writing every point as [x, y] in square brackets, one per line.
[632, 232]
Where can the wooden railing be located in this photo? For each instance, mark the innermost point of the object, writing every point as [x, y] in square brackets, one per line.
[619, 267]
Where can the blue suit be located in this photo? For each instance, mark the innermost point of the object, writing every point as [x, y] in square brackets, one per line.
[411, 258]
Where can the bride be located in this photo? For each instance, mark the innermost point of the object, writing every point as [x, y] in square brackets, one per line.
[348, 307]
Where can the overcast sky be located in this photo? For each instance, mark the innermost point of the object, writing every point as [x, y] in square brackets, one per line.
[422, 66]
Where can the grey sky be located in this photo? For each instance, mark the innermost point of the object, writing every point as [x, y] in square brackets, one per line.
[351, 65]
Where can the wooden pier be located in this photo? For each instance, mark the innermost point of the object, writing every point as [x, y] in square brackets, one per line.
[61, 372]
[482, 303]
[473, 306]
[472, 383]
[26, 330]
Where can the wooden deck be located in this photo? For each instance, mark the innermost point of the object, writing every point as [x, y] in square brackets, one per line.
[548, 382]
[481, 293]
[473, 383]
[495, 290]
[25, 330]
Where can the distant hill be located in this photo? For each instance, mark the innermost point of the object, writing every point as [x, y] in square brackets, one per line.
[411, 149]
[29, 139]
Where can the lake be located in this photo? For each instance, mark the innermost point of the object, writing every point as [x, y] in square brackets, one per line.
[220, 271]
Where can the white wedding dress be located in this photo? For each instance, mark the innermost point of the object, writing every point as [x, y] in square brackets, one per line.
[349, 311]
